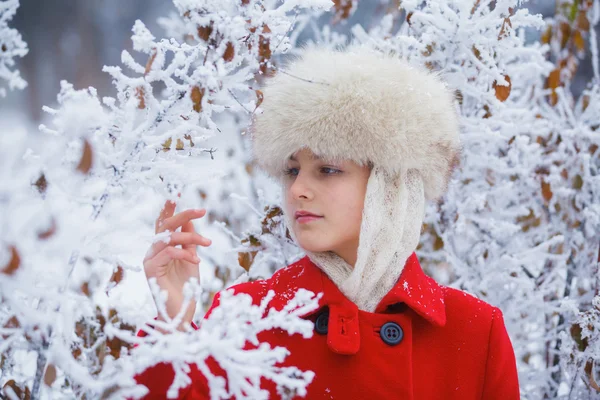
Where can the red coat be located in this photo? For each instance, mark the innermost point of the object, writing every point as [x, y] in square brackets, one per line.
[450, 345]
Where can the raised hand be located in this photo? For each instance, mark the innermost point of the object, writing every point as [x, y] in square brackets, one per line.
[173, 266]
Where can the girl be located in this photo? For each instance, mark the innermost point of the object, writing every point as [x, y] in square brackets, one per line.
[358, 141]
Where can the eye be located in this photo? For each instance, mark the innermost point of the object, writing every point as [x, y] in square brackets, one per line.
[290, 171]
[330, 171]
[324, 170]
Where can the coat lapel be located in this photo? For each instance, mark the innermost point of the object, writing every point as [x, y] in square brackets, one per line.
[414, 288]
[419, 291]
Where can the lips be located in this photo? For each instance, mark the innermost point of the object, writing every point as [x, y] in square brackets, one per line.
[303, 219]
[303, 213]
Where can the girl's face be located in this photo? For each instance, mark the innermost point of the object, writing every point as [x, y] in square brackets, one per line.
[333, 191]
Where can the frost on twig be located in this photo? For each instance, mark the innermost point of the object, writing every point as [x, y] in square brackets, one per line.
[11, 47]
[75, 204]
[230, 336]
[520, 224]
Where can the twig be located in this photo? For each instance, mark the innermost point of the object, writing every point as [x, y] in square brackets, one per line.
[556, 375]
[39, 373]
[287, 32]
[236, 99]
[302, 79]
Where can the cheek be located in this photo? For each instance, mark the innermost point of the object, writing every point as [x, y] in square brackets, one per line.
[345, 208]
[342, 206]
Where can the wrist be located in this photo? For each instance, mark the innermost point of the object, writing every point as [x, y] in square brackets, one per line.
[182, 326]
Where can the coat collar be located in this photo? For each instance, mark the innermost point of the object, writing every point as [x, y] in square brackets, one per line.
[414, 288]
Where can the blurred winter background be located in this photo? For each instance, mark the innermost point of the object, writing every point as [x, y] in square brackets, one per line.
[523, 208]
[72, 39]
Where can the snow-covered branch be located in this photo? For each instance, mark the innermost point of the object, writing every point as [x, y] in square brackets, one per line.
[11, 47]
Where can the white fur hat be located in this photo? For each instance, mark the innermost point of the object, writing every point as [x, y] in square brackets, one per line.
[363, 105]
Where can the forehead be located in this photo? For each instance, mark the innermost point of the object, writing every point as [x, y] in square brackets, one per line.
[308, 153]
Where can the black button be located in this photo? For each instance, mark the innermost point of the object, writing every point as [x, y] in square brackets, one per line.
[391, 333]
[322, 322]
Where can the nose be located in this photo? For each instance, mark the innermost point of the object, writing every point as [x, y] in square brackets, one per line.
[300, 187]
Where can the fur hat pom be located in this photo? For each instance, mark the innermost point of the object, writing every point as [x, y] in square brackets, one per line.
[363, 105]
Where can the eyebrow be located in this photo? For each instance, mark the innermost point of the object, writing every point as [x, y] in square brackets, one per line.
[312, 157]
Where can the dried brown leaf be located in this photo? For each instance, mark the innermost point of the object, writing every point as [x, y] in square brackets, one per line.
[167, 144]
[547, 35]
[565, 34]
[583, 23]
[50, 375]
[12, 323]
[589, 371]
[86, 158]
[189, 137]
[585, 102]
[475, 5]
[76, 352]
[150, 62]
[259, 98]
[553, 82]
[503, 28]
[85, 288]
[502, 92]
[476, 52]
[204, 32]
[140, 94]
[41, 184]
[12, 386]
[229, 52]
[48, 232]
[488, 112]
[197, 94]
[14, 263]
[579, 41]
[245, 259]
[342, 8]
[546, 191]
[117, 275]
[114, 345]
[109, 392]
[577, 182]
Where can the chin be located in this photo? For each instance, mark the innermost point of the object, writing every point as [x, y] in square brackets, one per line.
[312, 245]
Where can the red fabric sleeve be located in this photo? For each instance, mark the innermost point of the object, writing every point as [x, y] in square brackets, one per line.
[501, 378]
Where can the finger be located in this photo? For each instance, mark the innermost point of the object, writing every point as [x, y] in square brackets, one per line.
[176, 221]
[166, 212]
[188, 227]
[188, 238]
[167, 255]
[188, 241]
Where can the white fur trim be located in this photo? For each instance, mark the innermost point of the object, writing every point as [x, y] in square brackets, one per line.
[362, 105]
